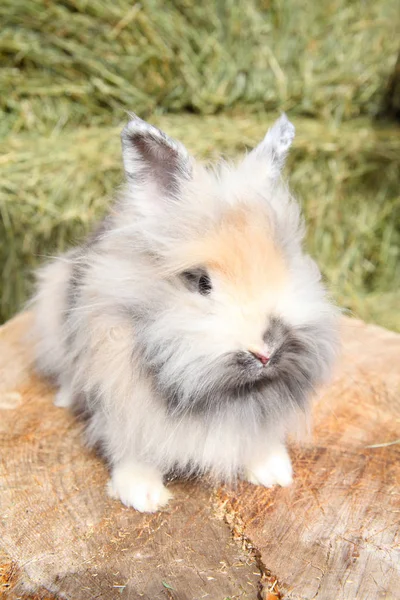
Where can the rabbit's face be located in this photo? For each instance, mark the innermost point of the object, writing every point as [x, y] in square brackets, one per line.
[234, 314]
[231, 286]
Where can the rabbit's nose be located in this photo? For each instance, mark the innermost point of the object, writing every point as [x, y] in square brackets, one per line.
[261, 354]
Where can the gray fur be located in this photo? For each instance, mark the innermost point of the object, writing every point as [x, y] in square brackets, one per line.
[163, 369]
[296, 367]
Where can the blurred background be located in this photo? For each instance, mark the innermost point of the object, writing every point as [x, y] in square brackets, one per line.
[215, 74]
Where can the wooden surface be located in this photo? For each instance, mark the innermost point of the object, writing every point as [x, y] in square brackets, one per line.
[333, 535]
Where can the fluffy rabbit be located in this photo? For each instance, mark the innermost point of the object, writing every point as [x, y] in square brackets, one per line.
[190, 328]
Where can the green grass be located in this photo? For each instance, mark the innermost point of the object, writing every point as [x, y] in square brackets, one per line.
[215, 74]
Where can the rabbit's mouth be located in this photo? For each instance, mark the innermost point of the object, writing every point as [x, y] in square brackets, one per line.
[291, 357]
[236, 380]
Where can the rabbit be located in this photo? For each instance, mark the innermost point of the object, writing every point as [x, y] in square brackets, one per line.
[190, 329]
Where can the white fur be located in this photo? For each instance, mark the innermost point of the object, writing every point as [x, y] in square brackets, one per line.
[275, 468]
[63, 397]
[274, 147]
[93, 347]
[139, 486]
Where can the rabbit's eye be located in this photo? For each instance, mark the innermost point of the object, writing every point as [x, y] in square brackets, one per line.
[198, 280]
[204, 285]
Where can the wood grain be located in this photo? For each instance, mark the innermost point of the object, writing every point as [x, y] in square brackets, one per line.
[333, 535]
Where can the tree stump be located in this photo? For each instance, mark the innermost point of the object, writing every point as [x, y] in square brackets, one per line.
[333, 534]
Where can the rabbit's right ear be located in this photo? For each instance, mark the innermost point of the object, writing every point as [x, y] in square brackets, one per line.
[150, 156]
[271, 153]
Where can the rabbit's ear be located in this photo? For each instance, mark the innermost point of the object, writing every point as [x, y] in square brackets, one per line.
[272, 151]
[150, 156]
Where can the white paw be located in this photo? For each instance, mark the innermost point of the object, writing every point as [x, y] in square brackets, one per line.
[275, 469]
[63, 398]
[139, 486]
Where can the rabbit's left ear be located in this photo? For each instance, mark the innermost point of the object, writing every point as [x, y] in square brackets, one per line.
[150, 156]
[272, 151]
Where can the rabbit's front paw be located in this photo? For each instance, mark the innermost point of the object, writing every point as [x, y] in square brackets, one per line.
[63, 398]
[276, 468]
[139, 486]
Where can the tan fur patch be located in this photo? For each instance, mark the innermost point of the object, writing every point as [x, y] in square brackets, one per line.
[241, 249]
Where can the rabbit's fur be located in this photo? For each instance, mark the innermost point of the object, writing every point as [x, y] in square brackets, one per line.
[190, 328]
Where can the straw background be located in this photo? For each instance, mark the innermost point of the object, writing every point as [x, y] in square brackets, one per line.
[215, 74]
